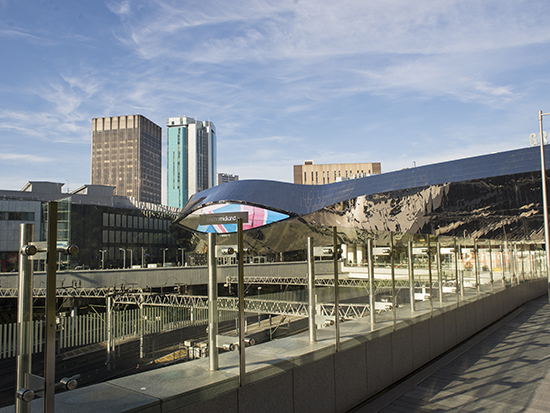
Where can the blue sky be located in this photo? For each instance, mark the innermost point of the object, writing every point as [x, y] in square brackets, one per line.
[390, 81]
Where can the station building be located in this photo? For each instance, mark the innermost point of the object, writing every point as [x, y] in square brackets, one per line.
[491, 197]
[93, 218]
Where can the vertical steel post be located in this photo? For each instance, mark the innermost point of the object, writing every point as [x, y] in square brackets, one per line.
[461, 272]
[109, 315]
[392, 269]
[439, 273]
[476, 268]
[491, 267]
[240, 259]
[24, 318]
[372, 300]
[311, 290]
[503, 264]
[212, 303]
[49, 353]
[336, 254]
[411, 276]
[141, 332]
[457, 247]
[430, 276]
[544, 201]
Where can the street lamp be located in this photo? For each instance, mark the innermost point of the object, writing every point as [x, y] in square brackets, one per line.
[131, 256]
[544, 200]
[124, 251]
[103, 258]
[182, 261]
[164, 257]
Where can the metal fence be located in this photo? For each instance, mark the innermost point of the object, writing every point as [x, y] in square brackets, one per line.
[88, 329]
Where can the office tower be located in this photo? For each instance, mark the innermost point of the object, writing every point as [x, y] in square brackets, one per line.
[126, 154]
[310, 174]
[191, 161]
[225, 178]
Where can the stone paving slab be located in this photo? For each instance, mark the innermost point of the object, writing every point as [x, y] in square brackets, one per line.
[504, 368]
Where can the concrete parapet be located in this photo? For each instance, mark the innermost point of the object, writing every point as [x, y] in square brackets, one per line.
[294, 375]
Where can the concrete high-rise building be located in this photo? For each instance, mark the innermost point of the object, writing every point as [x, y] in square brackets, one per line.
[310, 174]
[127, 154]
[225, 178]
[191, 161]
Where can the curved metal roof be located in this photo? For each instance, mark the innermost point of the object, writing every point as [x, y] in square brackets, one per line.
[305, 199]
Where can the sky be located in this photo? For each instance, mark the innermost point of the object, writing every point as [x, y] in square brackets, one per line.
[398, 82]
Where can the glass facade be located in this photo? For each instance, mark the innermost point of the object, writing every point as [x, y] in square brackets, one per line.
[191, 159]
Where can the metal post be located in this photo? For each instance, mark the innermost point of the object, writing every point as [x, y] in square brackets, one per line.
[212, 303]
[49, 353]
[476, 268]
[491, 267]
[372, 302]
[392, 269]
[430, 276]
[102, 258]
[124, 257]
[24, 318]
[141, 333]
[240, 259]
[311, 290]
[461, 271]
[456, 247]
[503, 264]
[411, 276]
[439, 273]
[544, 201]
[336, 254]
[110, 353]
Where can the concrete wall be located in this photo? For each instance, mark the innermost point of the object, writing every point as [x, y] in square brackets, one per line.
[168, 276]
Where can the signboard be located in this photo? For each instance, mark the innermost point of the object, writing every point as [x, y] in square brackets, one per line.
[222, 219]
[322, 251]
[381, 251]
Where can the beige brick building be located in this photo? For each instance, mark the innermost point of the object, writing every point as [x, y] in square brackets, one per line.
[311, 174]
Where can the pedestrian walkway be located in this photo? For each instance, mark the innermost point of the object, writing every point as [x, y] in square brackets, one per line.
[504, 368]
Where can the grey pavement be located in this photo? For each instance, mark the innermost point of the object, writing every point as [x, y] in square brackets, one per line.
[504, 368]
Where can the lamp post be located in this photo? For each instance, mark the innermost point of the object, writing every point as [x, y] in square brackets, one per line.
[131, 256]
[182, 257]
[544, 200]
[103, 258]
[124, 263]
[164, 257]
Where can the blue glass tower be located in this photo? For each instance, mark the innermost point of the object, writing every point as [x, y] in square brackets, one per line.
[191, 158]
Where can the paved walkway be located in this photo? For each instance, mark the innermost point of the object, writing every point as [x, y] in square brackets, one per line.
[504, 368]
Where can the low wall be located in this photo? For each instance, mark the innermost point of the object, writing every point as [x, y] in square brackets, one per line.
[294, 375]
[168, 276]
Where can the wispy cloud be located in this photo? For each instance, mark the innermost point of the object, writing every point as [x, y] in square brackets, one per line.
[18, 157]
